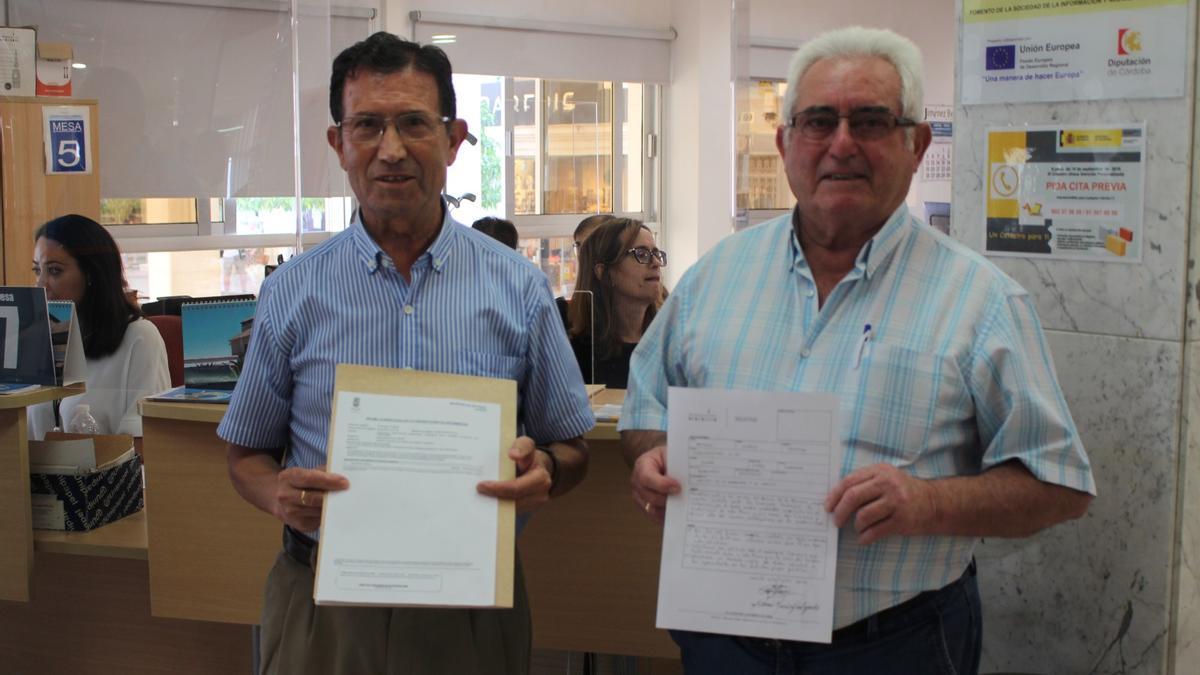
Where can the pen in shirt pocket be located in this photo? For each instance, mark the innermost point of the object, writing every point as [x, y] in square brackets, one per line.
[864, 346]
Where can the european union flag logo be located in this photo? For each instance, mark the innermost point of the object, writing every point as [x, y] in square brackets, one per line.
[1003, 57]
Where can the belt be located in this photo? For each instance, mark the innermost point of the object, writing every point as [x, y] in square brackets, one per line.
[299, 547]
[864, 627]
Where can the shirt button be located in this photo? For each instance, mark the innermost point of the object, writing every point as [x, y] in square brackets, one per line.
[810, 292]
[804, 353]
[408, 309]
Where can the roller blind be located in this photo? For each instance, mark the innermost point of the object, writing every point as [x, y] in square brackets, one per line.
[196, 97]
[547, 53]
[770, 62]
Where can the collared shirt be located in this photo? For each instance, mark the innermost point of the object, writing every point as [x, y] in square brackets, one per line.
[472, 307]
[956, 377]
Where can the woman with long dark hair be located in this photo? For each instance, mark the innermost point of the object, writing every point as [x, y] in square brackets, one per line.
[616, 296]
[76, 259]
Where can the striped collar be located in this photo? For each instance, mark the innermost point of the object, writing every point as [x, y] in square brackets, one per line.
[374, 258]
[874, 253]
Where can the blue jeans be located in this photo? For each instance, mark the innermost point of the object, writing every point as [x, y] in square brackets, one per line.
[936, 633]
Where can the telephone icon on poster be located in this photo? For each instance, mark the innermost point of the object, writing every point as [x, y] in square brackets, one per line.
[1005, 180]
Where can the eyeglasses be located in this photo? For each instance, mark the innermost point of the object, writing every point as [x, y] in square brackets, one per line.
[410, 126]
[866, 124]
[643, 255]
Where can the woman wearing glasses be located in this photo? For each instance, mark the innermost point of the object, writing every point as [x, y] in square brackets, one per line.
[619, 267]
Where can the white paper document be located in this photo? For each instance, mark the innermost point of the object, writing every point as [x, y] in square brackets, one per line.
[748, 548]
[411, 530]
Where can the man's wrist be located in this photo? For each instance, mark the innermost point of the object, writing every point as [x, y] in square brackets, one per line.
[553, 470]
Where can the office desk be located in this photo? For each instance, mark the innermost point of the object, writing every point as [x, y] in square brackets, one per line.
[16, 514]
[591, 559]
[89, 613]
[84, 607]
[209, 549]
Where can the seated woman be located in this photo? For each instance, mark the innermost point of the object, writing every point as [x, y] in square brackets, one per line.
[582, 230]
[76, 259]
[619, 268]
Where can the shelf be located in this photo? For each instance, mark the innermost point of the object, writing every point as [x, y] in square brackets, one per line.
[125, 538]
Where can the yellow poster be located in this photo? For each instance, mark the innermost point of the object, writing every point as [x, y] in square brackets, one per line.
[1068, 192]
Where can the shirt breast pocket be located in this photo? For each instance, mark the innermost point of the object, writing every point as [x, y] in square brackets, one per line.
[905, 402]
[484, 364]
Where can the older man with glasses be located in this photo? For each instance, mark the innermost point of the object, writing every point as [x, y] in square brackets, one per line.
[953, 422]
[404, 286]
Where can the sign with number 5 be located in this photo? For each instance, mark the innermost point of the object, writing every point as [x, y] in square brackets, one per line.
[67, 136]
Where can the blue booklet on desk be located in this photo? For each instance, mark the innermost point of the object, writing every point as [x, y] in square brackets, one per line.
[215, 338]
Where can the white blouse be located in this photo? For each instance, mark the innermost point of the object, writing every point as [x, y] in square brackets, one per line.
[114, 384]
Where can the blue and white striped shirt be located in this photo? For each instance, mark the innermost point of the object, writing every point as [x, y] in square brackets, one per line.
[957, 377]
[473, 307]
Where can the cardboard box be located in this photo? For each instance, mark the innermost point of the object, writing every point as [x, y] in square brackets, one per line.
[18, 61]
[73, 493]
[54, 69]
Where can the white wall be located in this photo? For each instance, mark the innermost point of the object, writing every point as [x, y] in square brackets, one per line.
[929, 23]
[697, 134]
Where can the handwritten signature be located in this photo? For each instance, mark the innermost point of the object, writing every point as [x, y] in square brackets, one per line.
[776, 596]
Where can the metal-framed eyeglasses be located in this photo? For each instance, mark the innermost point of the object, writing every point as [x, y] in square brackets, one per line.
[866, 124]
[410, 126]
[643, 255]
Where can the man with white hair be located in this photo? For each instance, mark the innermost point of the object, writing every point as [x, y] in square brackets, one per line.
[953, 422]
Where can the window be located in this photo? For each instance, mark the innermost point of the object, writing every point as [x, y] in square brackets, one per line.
[228, 271]
[153, 211]
[551, 152]
[761, 181]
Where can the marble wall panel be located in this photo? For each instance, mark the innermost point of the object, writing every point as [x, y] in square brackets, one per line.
[1192, 291]
[1186, 650]
[1092, 596]
[1130, 300]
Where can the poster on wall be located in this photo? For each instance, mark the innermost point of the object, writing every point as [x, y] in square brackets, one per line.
[1016, 51]
[66, 134]
[1066, 192]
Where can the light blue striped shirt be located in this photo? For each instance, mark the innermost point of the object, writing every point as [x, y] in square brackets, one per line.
[957, 377]
[473, 307]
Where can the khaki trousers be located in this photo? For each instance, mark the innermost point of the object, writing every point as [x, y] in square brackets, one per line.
[300, 638]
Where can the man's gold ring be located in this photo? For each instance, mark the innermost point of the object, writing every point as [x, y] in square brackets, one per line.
[304, 498]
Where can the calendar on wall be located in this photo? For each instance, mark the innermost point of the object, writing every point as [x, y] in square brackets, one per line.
[937, 163]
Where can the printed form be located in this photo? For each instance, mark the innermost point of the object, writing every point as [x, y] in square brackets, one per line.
[748, 548]
[411, 530]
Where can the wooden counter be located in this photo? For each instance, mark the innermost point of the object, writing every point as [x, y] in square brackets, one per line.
[210, 550]
[591, 559]
[16, 512]
[81, 605]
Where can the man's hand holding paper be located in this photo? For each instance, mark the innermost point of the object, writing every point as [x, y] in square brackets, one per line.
[299, 494]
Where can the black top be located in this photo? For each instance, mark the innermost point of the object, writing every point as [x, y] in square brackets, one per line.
[612, 373]
[562, 305]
